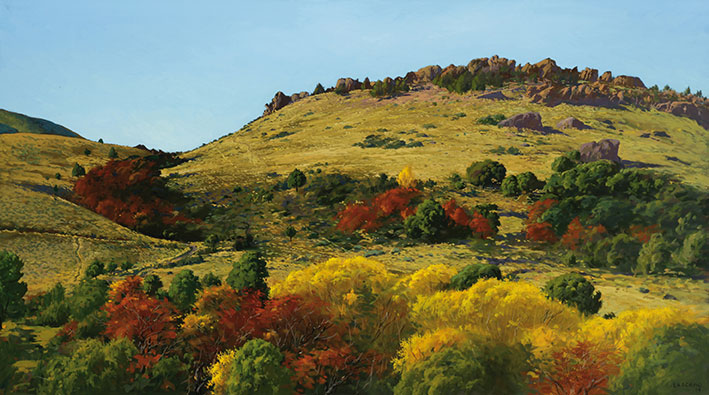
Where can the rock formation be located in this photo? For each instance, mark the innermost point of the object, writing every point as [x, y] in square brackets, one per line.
[527, 120]
[604, 149]
[571, 123]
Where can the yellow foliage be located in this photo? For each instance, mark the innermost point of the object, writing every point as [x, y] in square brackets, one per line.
[219, 372]
[194, 324]
[406, 178]
[420, 347]
[508, 312]
[427, 281]
[633, 326]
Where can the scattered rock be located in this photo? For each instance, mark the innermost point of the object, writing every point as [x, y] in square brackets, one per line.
[604, 149]
[494, 96]
[571, 123]
[645, 135]
[669, 297]
[659, 133]
[643, 290]
[699, 113]
[527, 120]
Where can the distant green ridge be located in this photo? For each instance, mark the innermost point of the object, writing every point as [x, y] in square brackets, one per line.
[12, 122]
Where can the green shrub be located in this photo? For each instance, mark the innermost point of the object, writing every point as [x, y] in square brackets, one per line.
[296, 179]
[492, 120]
[94, 269]
[528, 182]
[183, 289]
[428, 224]
[622, 252]
[655, 255]
[111, 267]
[87, 297]
[479, 368]
[58, 176]
[249, 273]
[8, 371]
[574, 290]
[12, 290]
[78, 170]
[87, 151]
[510, 187]
[470, 274]
[258, 369]
[151, 284]
[566, 162]
[612, 213]
[290, 233]
[212, 242]
[486, 173]
[694, 253]
[674, 361]
[330, 189]
[210, 280]
[112, 153]
[318, 89]
[126, 265]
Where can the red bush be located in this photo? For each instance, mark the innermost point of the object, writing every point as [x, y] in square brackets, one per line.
[371, 216]
[478, 224]
[577, 235]
[644, 233]
[541, 232]
[538, 208]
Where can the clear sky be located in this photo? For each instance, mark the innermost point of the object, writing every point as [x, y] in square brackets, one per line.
[175, 74]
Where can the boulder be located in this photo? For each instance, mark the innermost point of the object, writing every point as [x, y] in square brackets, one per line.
[571, 123]
[606, 77]
[494, 96]
[527, 120]
[697, 112]
[604, 149]
[588, 74]
[347, 85]
[279, 101]
[553, 94]
[628, 81]
[428, 73]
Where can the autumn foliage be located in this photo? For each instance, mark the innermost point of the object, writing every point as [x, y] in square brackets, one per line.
[477, 223]
[541, 232]
[389, 206]
[577, 235]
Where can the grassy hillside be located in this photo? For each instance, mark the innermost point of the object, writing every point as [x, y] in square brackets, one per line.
[12, 122]
[55, 237]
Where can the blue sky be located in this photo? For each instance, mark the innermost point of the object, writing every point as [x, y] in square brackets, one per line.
[175, 74]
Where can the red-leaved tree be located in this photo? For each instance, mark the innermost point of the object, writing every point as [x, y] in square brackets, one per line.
[394, 204]
[577, 235]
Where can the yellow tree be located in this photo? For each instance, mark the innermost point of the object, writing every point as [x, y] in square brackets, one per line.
[406, 178]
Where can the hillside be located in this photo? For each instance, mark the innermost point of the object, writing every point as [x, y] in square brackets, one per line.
[12, 122]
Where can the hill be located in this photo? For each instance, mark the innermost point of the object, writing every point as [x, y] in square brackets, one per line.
[12, 122]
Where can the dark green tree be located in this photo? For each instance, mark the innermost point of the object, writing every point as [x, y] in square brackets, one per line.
[528, 182]
[249, 272]
[152, 284]
[112, 153]
[12, 290]
[622, 252]
[212, 242]
[694, 253]
[296, 179]
[94, 269]
[210, 280]
[318, 89]
[486, 173]
[258, 370]
[429, 223]
[183, 289]
[78, 170]
[290, 232]
[470, 274]
[87, 151]
[87, 297]
[655, 255]
[566, 162]
[510, 187]
[574, 290]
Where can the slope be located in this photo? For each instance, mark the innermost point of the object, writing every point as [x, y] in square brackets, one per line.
[12, 122]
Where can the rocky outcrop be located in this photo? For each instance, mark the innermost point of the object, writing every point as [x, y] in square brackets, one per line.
[606, 77]
[428, 73]
[527, 120]
[495, 64]
[604, 149]
[552, 94]
[588, 74]
[628, 81]
[494, 96]
[279, 101]
[347, 85]
[695, 111]
[571, 123]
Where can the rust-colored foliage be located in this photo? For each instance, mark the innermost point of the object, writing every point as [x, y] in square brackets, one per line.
[129, 192]
[538, 208]
[396, 202]
[581, 369]
[542, 232]
[478, 224]
[576, 234]
[644, 233]
[129, 287]
[146, 321]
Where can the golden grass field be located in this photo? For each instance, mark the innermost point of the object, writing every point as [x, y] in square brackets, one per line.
[57, 238]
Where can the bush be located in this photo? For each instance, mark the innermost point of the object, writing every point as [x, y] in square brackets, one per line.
[112, 153]
[290, 233]
[655, 255]
[249, 273]
[330, 189]
[94, 269]
[78, 170]
[318, 89]
[126, 265]
[492, 119]
[212, 242]
[8, 371]
[210, 280]
[429, 223]
[675, 360]
[88, 296]
[468, 369]
[11, 288]
[574, 290]
[296, 179]
[566, 162]
[111, 267]
[510, 187]
[622, 252]
[183, 289]
[87, 151]
[694, 252]
[486, 173]
[528, 182]
[258, 369]
[470, 274]
[152, 284]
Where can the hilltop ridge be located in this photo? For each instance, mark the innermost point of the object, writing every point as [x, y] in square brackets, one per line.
[12, 122]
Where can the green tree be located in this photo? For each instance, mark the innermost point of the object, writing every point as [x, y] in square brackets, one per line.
[212, 242]
[8, 371]
[152, 284]
[78, 170]
[87, 297]
[566, 162]
[655, 255]
[486, 173]
[674, 361]
[87, 151]
[574, 290]
[258, 370]
[623, 252]
[249, 272]
[470, 274]
[479, 368]
[112, 153]
[510, 187]
[183, 289]
[429, 223]
[126, 265]
[318, 89]
[11, 288]
[528, 182]
[290, 232]
[210, 280]
[296, 179]
[94, 269]
[694, 252]
[100, 141]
